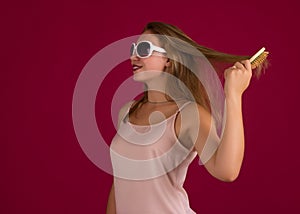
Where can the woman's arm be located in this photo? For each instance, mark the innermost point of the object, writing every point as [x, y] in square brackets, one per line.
[226, 162]
[111, 204]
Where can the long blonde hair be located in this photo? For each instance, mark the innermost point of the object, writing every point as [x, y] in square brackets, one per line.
[183, 73]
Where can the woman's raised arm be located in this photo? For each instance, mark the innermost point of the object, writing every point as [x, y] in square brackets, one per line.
[226, 162]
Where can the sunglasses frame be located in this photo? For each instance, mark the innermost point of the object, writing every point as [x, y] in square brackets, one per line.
[152, 48]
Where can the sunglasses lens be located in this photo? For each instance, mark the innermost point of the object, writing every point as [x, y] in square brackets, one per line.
[131, 49]
[143, 49]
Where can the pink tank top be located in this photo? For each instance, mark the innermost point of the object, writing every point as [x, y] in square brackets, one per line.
[150, 166]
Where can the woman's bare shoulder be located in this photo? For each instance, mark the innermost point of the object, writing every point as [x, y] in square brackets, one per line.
[124, 109]
[194, 112]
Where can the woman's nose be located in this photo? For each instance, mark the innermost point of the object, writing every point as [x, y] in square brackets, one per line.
[134, 57]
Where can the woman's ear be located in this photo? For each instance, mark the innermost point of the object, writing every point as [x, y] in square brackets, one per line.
[168, 63]
[168, 66]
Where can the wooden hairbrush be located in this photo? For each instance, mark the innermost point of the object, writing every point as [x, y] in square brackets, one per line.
[258, 58]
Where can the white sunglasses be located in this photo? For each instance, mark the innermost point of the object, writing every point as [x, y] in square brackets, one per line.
[144, 49]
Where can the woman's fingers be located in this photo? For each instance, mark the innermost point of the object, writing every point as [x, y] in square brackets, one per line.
[239, 65]
[247, 64]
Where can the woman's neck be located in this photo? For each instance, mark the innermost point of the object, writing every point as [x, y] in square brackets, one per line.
[155, 96]
[156, 90]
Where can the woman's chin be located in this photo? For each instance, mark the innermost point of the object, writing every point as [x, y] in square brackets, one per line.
[145, 76]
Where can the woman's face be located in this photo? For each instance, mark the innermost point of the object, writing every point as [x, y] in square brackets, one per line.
[151, 68]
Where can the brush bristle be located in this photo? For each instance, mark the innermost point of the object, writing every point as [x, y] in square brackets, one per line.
[259, 60]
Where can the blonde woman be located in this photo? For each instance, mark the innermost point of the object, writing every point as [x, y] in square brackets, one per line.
[179, 117]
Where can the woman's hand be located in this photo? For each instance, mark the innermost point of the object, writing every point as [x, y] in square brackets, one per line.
[237, 78]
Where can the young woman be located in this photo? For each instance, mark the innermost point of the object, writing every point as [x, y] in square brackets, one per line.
[178, 117]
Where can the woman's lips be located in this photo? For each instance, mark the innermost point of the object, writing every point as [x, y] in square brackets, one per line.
[136, 67]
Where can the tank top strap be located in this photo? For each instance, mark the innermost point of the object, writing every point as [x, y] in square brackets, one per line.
[126, 111]
[179, 109]
[182, 106]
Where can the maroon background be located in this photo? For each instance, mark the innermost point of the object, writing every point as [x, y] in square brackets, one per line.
[45, 44]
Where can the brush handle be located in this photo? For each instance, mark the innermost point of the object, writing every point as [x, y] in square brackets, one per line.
[257, 54]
